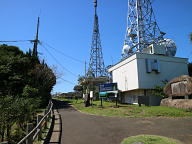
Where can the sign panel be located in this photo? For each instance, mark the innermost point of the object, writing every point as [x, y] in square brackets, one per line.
[179, 88]
[108, 87]
[91, 94]
[102, 95]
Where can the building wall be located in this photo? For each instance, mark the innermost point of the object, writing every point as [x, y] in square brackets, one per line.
[131, 73]
[170, 67]
[132, 77]
[126, 75]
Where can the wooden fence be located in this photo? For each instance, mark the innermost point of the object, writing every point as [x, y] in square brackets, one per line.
[33, 133]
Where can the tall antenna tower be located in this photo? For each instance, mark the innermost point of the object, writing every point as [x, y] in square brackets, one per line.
[142, 29]
[96, 63]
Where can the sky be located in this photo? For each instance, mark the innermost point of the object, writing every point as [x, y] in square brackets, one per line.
[66, 28]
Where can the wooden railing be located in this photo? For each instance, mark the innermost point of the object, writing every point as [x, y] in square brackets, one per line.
[33, 133]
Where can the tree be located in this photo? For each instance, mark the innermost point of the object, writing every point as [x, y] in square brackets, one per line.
[57, 73]
[25, 85]
[78, 88]
[44, 80]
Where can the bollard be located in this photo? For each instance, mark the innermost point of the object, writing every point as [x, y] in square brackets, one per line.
[39, 117]
[29, 129]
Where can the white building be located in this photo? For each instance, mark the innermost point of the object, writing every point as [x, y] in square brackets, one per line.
[141, 72]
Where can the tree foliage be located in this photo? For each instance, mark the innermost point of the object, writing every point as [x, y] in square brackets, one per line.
[158, 90]
[25, 86]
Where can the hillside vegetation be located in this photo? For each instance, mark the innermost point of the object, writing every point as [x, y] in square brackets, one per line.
[25, 87]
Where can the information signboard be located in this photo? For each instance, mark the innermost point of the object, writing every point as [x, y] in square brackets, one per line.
[108, 87]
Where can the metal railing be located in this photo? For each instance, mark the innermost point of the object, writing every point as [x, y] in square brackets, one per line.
[33, 133]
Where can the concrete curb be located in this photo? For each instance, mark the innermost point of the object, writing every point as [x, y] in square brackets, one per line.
[57, 129]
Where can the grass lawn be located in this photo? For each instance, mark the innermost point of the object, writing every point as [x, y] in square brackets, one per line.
[149, 139]
[128, 110]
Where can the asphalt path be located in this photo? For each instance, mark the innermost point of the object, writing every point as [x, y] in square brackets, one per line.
[80, 128]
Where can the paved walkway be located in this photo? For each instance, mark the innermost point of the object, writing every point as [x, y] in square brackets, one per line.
[79, 128]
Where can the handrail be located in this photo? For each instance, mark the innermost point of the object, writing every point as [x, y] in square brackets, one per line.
[38, 125]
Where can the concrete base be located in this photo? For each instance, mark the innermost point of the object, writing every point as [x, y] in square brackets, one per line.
[116, 106]
[131, 97]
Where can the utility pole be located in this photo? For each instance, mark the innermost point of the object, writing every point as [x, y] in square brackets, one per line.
[36, 41]
[85, 68]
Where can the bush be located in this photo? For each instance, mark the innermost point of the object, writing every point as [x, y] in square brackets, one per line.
[149, 139]
[158, 90]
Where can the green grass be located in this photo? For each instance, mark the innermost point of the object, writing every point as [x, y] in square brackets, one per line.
[149, 139]
[128, 110]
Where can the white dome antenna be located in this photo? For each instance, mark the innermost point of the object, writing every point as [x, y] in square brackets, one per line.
[170, 46]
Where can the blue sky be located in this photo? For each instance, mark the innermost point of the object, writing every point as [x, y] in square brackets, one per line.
[67, 26]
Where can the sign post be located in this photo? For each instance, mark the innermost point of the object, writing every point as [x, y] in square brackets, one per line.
[101, 103]
[102, 95]
[116, 106]
[91, 97]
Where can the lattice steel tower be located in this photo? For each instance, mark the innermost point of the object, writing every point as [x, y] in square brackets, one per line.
[142, 29]
[96, 63]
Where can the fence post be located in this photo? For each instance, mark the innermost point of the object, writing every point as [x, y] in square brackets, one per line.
[49, 115]
[46, 118]
[39, 117]
[49, 105]
[29, 140]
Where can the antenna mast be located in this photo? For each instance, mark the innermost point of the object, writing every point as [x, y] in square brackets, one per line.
[96, 63]
[142, 29]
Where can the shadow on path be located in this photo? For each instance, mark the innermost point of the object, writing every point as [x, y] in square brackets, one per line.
[61, 104]
[55, 131]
